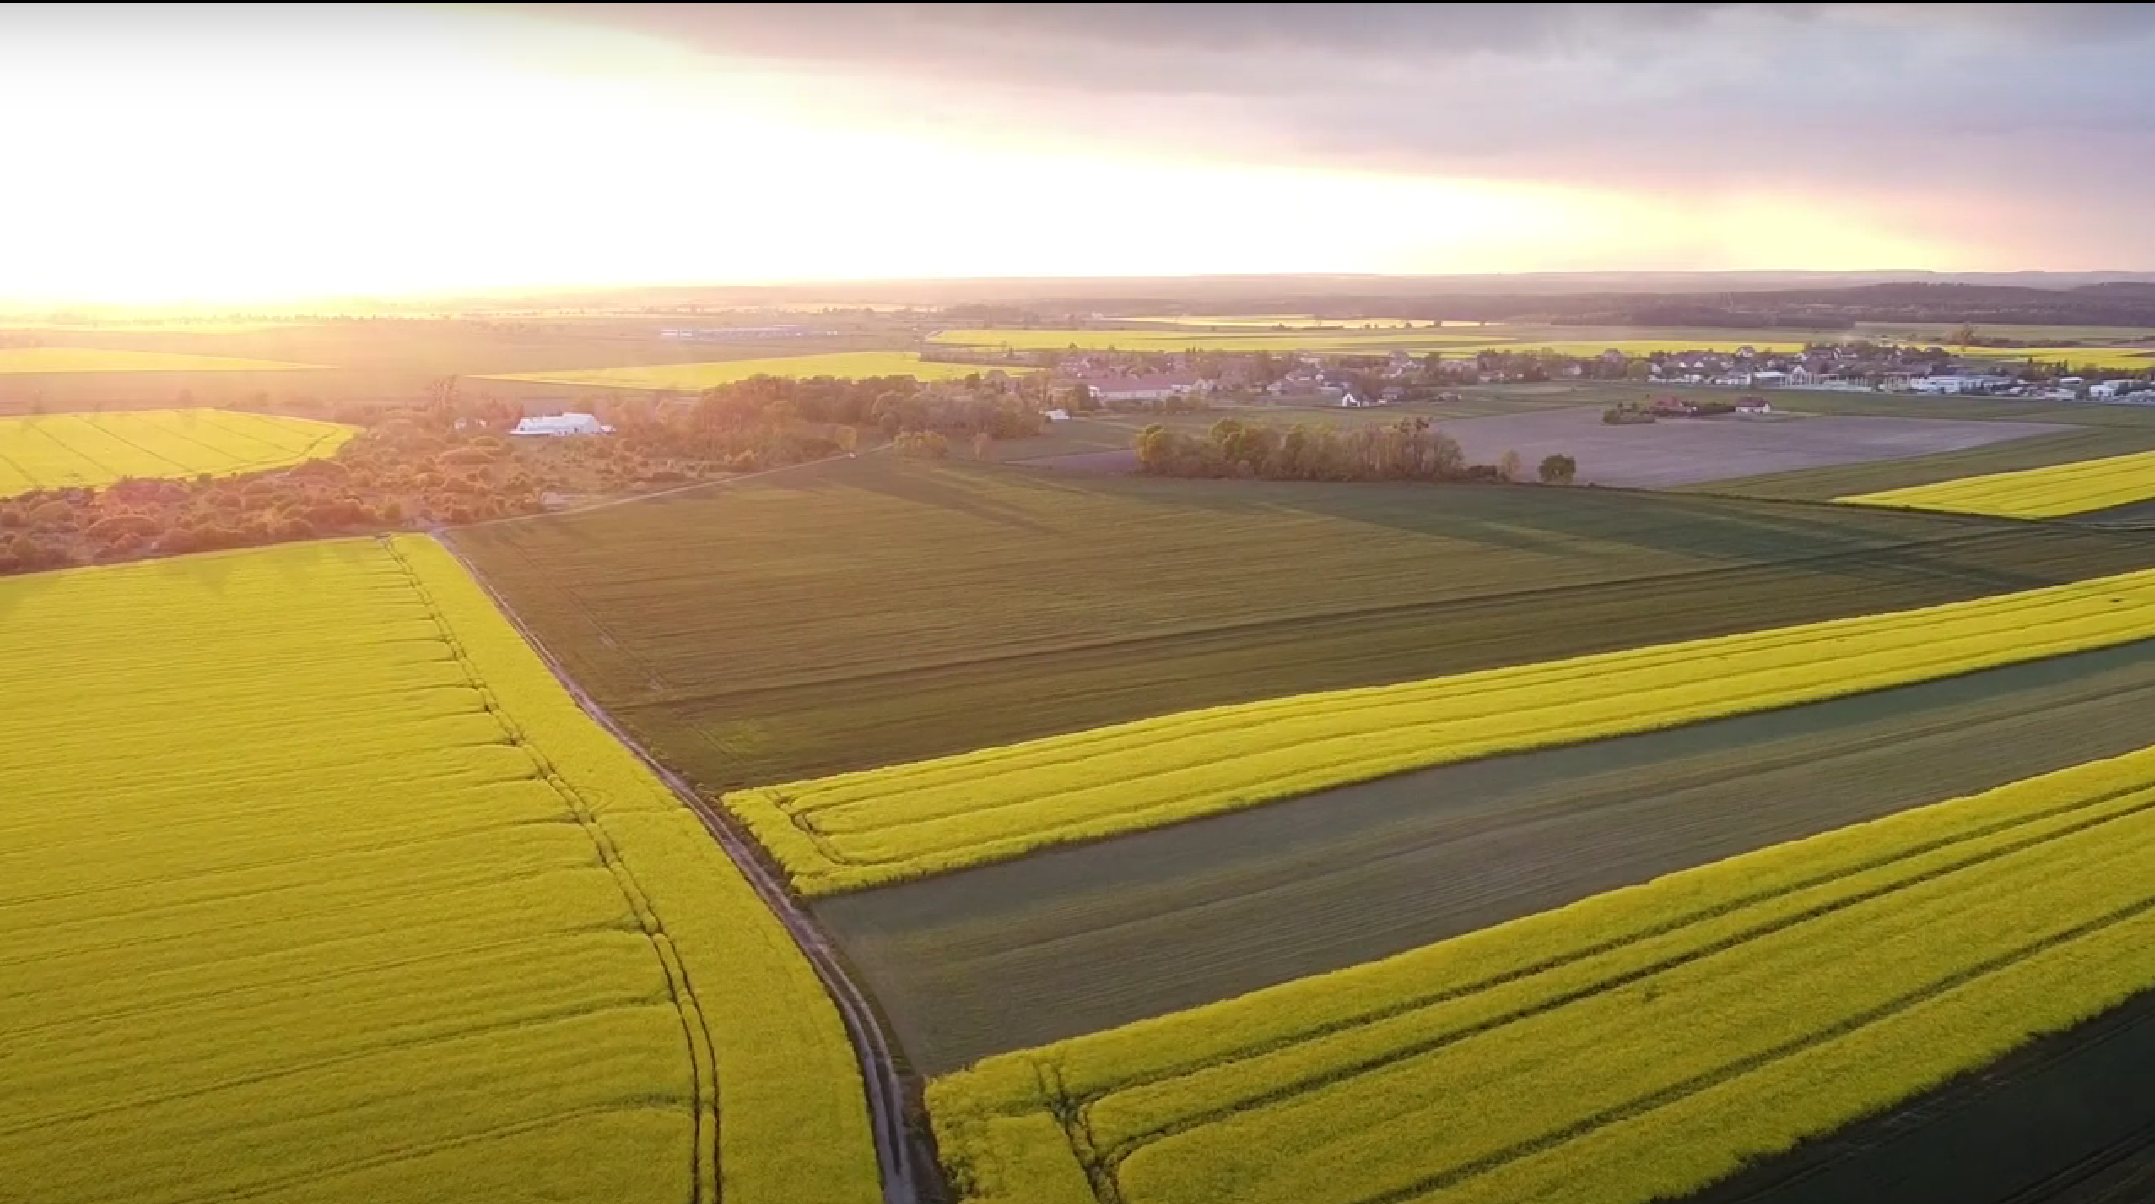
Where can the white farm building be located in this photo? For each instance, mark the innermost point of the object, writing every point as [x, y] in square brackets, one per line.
[562, 424]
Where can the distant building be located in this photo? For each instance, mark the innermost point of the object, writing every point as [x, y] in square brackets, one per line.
[1753, 405]
[561, 424]
[1143, 388]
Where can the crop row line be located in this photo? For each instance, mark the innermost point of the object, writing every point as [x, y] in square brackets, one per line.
[1623, 978]
[151, 452]
[907, 1166]
[1732, 1071]
[703, 1063]
[285, 1070]
[1079, 747]
[1887, 555]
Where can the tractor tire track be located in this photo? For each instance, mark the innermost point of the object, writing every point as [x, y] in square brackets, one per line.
[909, 1169]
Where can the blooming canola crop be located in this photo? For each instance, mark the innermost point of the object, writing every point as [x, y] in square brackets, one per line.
[316, 885]
[883, 825]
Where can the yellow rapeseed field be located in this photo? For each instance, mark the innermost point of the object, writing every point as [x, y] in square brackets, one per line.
[697, 377]
[1630, 1047]
[316, 886]
[51, 451]
[100, 359]
[2045, 492]
[882, 825]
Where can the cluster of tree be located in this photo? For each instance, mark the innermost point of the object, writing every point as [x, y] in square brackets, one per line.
[1410, 449]
[410, 470]
[1003, 407]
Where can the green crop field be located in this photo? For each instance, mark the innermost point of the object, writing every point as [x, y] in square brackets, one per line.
[877, 826]
[1087, 937]
[317, 886]
[57, 450]
[2075, 487]
[1631, 1047]
[695, 377]
[16, 360]
[1879, 476]
[968, 606]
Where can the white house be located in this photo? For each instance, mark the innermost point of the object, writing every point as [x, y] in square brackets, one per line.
[1769, 378]
[1958, 384]
[562, 424]
[1353, 401]
[1754, 405]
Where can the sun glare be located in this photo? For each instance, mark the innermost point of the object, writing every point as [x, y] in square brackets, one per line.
[222, 157]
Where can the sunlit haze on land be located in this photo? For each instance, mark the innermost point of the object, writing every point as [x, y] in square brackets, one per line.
[227, 154]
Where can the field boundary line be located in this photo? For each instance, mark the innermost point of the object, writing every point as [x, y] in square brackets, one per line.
[704, 1169]
[1846, 1026]
[1623, 977]
[909, 1169]
[648, 497]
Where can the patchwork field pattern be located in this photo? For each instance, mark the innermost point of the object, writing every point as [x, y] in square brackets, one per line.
[316, 885]
[2046, 492]
[62, 450]
[1082, 938]
[100, 359]
[970, 606]
[1630, 1047]
[696, 377]
[886, 825]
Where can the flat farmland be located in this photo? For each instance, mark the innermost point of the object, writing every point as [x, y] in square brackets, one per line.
[1078, 939]
[2075, 487]
[20, 360]
[1447, 341]
[2064, 1119]
[698, 376]
[958, 607]
[380, 359]
[1630, 1047]
[1684, 451]
[384, 917]
[1878, 476]
[874, 827]
[61, 450]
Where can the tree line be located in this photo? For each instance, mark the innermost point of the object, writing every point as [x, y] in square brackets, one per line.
[1410, 449]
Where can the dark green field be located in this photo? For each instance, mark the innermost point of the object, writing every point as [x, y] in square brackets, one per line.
[1843, 480]
[2066, 1119]
[873, 611]
[1087, 937]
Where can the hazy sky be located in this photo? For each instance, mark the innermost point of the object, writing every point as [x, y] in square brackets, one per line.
[225, 153]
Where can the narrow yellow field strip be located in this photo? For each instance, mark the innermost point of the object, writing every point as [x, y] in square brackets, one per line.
[316, 885]
[1631, 1047]
[2046, 492]
[877, 826]
[99, 359]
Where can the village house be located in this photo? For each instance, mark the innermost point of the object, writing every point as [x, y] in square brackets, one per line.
[1154, 387]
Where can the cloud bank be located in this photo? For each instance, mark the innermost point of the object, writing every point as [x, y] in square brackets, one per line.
[2021, 126]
